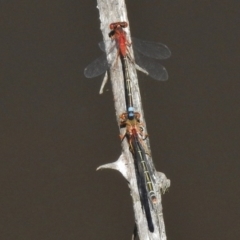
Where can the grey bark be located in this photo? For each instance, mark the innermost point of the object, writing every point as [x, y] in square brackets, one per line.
[114, 11]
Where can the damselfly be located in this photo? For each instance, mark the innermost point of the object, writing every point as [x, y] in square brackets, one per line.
[146, 54]
[135, 136]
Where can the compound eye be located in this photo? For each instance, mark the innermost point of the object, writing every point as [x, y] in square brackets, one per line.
[111, 26]
[124, 24]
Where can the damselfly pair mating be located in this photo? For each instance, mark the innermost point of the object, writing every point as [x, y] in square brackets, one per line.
[145, 55]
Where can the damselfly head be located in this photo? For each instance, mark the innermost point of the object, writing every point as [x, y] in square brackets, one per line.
[115, 25]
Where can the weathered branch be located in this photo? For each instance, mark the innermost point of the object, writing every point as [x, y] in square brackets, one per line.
[114, 11]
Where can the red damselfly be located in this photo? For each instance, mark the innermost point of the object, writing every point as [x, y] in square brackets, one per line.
[146, 54]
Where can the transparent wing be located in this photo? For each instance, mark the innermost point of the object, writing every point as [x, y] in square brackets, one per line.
[102, 46]
[145, 54]
[108, 47]
[142, 183]
[97, 67]
[151, 49]
[152, 66]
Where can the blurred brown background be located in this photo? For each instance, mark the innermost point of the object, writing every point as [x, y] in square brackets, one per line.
[56, 130]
